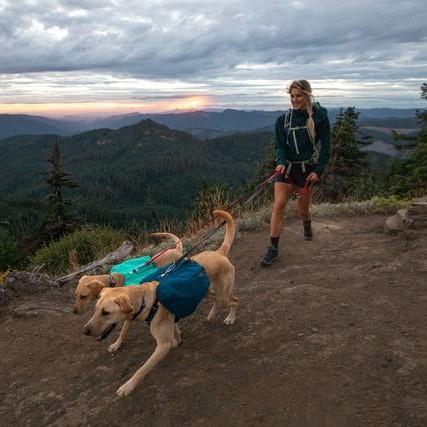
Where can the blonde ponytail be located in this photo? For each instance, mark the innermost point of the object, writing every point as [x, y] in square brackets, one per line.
[310, 121]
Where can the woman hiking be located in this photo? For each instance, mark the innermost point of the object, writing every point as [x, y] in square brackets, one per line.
[302, 152]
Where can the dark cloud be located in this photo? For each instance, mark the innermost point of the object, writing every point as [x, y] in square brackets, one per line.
[219, 43]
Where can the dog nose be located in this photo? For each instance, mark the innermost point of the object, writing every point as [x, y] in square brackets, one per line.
[75, 310]
[87, 330]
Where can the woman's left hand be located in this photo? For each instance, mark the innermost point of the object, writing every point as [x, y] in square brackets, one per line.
[313, 177]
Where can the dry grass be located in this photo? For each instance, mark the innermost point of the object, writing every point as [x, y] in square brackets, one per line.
[3, 276]
[249, 220]
[254, 220]
[376, 205]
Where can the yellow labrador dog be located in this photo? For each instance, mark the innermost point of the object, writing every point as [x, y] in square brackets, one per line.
[89, 287]
[117, 305]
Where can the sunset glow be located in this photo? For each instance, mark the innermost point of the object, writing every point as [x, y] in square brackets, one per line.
[58, 109]
[191, 103]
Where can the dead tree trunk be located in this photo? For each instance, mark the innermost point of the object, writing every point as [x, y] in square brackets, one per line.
[101, 265]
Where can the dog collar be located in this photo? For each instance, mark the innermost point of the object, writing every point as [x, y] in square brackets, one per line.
[113, 283]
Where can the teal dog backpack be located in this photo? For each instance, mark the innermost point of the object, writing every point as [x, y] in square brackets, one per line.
[135, 270]
[181, 287]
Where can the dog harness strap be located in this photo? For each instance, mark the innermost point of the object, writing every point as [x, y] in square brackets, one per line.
[150, 316]
[139, 311]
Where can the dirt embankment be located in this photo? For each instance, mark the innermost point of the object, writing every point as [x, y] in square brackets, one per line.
[333, 334]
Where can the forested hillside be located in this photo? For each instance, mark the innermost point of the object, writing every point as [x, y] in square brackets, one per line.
[132, 176]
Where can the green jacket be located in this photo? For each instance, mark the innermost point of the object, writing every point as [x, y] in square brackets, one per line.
[293, 143]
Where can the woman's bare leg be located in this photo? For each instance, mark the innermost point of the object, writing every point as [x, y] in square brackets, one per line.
[282, 192]
[304, 202]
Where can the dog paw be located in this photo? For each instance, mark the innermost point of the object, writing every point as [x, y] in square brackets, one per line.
[229, 320]
[114, 347]
[125, 390]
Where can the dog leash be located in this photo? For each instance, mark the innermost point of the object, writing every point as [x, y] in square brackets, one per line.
[250, 195]
[159, 254]
[302, 191]
[243, 200]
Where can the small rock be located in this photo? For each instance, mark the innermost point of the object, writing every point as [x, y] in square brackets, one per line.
[103, 368]
[23, 283]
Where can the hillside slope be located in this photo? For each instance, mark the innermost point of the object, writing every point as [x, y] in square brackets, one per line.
[332, 335]
[134, 175]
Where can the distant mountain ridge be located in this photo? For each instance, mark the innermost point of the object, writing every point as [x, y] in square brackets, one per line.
[204, 124]
[25, 124]
[225, 121]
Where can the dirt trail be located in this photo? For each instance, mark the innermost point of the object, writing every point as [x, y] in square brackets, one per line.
[332, 335]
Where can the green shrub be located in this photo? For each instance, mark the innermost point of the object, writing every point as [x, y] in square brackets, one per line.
[389, 204]
[89, 243]
[8, 253]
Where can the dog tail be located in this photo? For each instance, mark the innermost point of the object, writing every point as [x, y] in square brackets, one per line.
[230, 231]
[175, 239]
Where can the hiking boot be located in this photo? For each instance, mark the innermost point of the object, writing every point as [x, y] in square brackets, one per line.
[308, 232]
[271, 256]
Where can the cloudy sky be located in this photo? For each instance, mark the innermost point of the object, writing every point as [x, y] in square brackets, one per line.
[114, 56]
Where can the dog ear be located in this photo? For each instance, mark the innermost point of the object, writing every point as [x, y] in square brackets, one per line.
[123, 301]
[95, 287]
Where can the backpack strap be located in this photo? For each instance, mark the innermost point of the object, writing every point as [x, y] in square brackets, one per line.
[288, 119]
[287, 124]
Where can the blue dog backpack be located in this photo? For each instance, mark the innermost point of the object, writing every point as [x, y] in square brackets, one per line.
[182, 288]
[135, 270]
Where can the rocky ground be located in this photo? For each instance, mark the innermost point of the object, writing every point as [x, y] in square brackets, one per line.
[333, 334]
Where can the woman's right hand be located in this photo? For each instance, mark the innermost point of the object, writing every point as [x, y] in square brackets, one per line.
[280, 169]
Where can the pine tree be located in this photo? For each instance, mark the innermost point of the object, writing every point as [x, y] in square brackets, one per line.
[60, 217]
[408, 177]
[348, 174]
